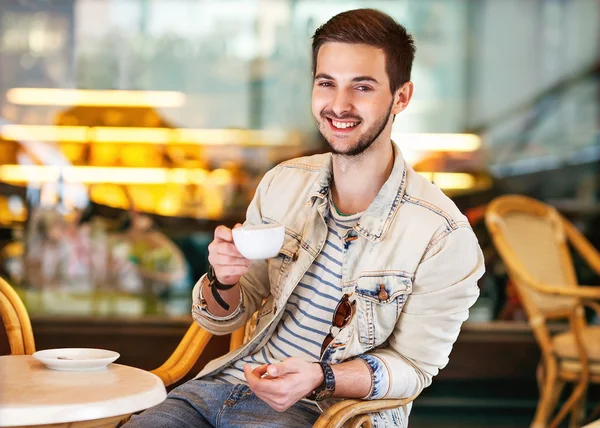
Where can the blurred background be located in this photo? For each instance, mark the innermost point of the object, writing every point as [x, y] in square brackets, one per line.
[129, 129]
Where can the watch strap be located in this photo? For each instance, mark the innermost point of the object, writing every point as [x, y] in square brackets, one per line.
[327, 387]
[215, 286]
[215, 293]
[212, 279]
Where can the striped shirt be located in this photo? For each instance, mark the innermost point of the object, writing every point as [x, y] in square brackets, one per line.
[309, 310]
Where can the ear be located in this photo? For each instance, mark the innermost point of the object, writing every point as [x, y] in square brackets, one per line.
[402, 97]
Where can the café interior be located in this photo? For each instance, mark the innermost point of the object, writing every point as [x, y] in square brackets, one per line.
[130, 129]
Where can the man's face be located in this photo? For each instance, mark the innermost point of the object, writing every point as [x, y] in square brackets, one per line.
[351, 98]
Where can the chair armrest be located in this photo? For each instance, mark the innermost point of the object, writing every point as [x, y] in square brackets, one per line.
[338, 414]
[185, 355]
[580, 291]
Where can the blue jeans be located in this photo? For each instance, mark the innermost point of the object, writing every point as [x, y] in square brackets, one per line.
[203, 403]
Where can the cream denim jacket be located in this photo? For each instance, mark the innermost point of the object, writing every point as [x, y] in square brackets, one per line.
[412, 242]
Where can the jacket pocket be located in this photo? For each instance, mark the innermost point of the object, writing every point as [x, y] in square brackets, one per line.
[379, 299]
[278, 266]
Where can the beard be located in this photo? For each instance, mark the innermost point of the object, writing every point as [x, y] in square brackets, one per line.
[365, 140]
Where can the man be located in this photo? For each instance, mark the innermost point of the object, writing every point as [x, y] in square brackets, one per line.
[376, 274]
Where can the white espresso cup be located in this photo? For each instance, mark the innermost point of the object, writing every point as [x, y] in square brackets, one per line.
[259, 242]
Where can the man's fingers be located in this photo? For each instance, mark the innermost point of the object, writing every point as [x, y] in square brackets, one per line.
[252, 378]
[281, 369]
[260, 370]
[272, 392]
[223, 233]
[226, 271]
[264, 387]
[238, 225]
[224, 248]
[217, 259]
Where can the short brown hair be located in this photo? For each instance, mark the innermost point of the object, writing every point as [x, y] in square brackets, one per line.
[374, 28]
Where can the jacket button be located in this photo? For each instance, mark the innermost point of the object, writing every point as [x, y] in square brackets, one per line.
[383, 295]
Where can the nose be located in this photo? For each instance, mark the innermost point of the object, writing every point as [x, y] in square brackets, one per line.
[342, 103]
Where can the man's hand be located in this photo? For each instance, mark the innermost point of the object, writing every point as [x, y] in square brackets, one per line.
[229, 266]
[225, 258]
[282, 385]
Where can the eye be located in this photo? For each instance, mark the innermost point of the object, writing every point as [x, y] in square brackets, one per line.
[325, 84]
[363, 88]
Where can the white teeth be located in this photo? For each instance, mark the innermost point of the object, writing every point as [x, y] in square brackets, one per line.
[343, 125]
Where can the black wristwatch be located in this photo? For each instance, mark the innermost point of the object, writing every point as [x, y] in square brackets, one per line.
[215, 286]
[327, 387]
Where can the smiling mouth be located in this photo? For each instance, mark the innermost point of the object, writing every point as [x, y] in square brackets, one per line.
[343, 126]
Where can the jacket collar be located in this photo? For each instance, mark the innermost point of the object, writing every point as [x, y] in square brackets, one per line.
[378, 217]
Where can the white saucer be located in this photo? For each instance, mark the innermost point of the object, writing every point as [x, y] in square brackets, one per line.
[76, 359]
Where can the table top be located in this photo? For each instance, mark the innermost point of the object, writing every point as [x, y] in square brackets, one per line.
[31, 394]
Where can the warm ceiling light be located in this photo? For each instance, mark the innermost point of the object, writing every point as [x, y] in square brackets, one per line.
[241, 137]
[132, 135]
[71, 134]
[212, 136]
[107, 134]
[84, 97]
[450, 180]
[437, 142]
[95, 175]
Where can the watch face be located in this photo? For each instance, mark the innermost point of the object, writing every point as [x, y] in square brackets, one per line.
[326, 393]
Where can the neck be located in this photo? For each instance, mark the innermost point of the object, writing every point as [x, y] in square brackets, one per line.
[358, 179]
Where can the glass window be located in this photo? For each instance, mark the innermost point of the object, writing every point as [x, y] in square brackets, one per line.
[130, 129]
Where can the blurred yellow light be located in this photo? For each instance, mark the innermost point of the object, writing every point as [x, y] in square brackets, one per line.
[96, 175]
[437, 142]
[197, 176]
[212, 136]
[75, 134]
[133, 135]
[84, 97]
[170, 203]
[111, 195]
[450, 180]
[27, 173]
[220, 177]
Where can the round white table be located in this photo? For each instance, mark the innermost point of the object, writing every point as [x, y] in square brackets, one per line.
[33, 395]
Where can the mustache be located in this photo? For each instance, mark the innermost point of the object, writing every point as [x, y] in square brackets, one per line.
[332, 115]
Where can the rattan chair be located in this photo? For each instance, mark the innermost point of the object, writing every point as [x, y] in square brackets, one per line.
[16, 321]
[353, 413]
[532, 239]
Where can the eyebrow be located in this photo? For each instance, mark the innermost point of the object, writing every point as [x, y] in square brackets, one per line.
[356, 79]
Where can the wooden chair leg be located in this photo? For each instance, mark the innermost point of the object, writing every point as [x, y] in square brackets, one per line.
[578, 412]
[578, 393]
[540, 375]
[558, 389]
[545, 407]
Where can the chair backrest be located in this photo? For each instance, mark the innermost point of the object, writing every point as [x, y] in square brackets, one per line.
[244, 334]
[16, 321]
[531, 240]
